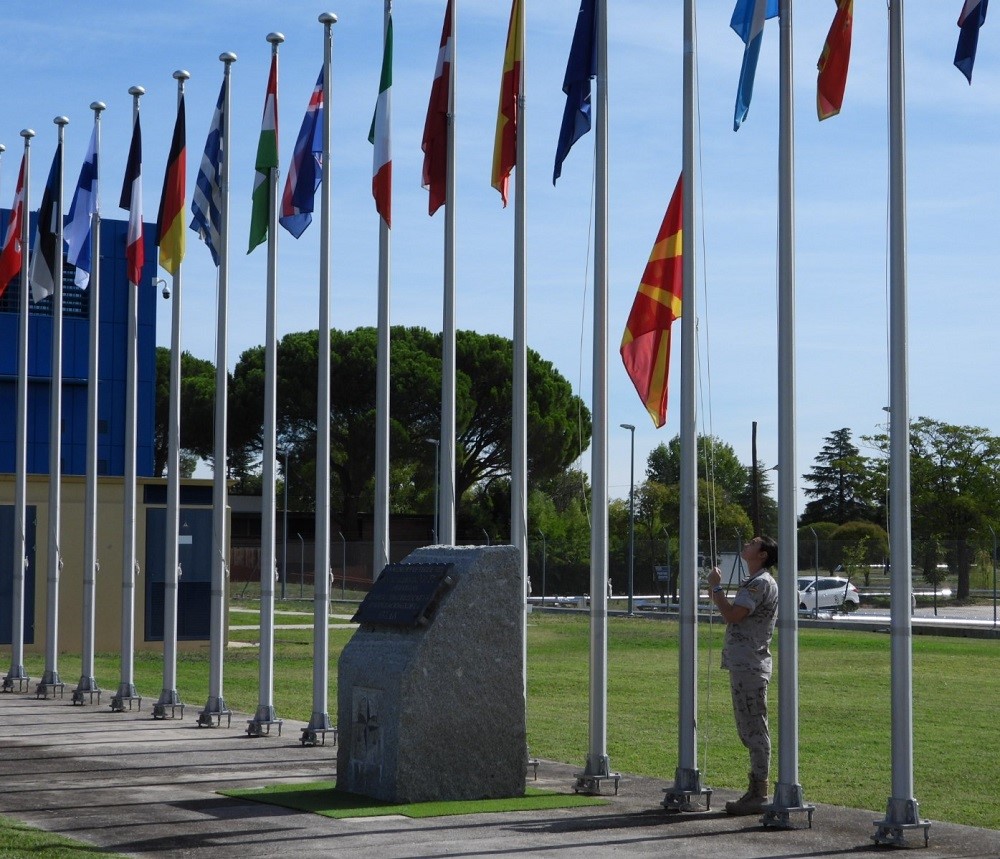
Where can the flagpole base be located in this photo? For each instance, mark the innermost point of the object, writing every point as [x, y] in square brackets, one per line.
[261, 723]
[684, 794]
[211, 716]
[598, 770]
[86, 685]
[16, 674]
[168, 698]
[125, 694]
[901, 816]
[314, 734]
[788, 800]
[50, 683]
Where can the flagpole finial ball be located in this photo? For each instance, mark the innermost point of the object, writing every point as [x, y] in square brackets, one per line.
[98, 106]
[182, 75]
[27, 133]
[328, 18]
[275, 38]
[61, 121]
[227, 57]
[3, 148]
[136, 90]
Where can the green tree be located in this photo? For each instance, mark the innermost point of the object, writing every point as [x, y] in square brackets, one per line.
[839, 483]
[717, 462]
[197, 410]
[558, 423]
[954, 487]
[861, 544]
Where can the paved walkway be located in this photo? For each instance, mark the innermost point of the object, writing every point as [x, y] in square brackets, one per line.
[127, 783]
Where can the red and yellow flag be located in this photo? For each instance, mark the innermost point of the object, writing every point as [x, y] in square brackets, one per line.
[833, 62]
[505, 144]
[170, 219]
[645, 345]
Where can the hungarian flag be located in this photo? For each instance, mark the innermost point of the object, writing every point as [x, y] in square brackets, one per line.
[267, 160]
[10, 256]
[972, 17]
[170, 219]
[833, 62]
[380, 134]
[435, 140]
[41, 272]
[306, 170]
[131, 199]
[645, 348]
[505, 143]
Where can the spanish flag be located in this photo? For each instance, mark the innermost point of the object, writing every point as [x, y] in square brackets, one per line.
[505, 144]
[645, 348]
[833, 62]
[170, 219]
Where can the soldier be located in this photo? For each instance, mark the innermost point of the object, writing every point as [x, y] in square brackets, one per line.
[746, 655]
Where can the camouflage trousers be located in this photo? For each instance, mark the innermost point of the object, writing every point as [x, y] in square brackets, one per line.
[750, 708]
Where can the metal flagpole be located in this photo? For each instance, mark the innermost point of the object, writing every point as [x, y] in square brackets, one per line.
[787, 791]
[519, 424]
[265, 714]
[902, 811]
[88, 684]
[446, 494]
[380, 536]
[215, 706]
[171, 569]
[687, 777]
[50, 678]
[598, 764]
[20, 566]
[126, 683]
[319, 721]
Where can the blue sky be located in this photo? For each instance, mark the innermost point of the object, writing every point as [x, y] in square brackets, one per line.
[60, 57]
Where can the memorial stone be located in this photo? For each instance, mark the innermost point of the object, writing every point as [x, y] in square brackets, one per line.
[430, 693]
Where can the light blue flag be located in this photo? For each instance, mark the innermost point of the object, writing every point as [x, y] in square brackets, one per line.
[748, 23]
[206, 207]
[77, 231]
[743, 17]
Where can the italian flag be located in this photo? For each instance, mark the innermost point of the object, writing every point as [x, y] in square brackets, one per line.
[267, 159]
[381, 134]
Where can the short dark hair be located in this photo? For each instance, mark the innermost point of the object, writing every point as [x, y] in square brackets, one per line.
[770, 546]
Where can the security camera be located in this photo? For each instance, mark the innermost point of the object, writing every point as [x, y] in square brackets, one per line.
[166, 291]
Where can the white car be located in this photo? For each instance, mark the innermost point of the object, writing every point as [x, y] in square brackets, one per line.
[833, 592]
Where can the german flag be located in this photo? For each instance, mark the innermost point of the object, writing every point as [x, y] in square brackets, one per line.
[170, 219]
[645, 348]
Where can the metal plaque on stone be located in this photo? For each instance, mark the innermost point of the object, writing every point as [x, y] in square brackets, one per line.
[405, 595]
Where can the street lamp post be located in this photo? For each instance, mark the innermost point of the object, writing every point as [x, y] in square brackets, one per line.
[631, 518]
[284, 534]
[437, 480]
[994, 533]
[544, 547]
[815, 566]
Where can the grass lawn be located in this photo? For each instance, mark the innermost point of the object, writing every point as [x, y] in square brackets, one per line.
[844, 736]
[18, 839]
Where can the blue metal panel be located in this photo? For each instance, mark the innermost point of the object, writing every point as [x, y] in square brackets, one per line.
[76, 338]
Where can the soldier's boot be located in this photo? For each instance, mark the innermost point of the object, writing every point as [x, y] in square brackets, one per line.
[752, 802]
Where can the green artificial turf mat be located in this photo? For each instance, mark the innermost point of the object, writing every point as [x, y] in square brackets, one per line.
[322, 797]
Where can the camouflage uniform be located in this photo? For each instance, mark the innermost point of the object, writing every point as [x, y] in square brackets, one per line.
[746, 655]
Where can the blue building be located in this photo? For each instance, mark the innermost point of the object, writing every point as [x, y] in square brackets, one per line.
[114, 288]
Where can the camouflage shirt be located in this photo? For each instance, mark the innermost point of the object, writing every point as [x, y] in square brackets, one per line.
[747, 643]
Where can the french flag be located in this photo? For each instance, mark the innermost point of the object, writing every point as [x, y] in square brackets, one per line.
[972, 18]
[131, 199]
